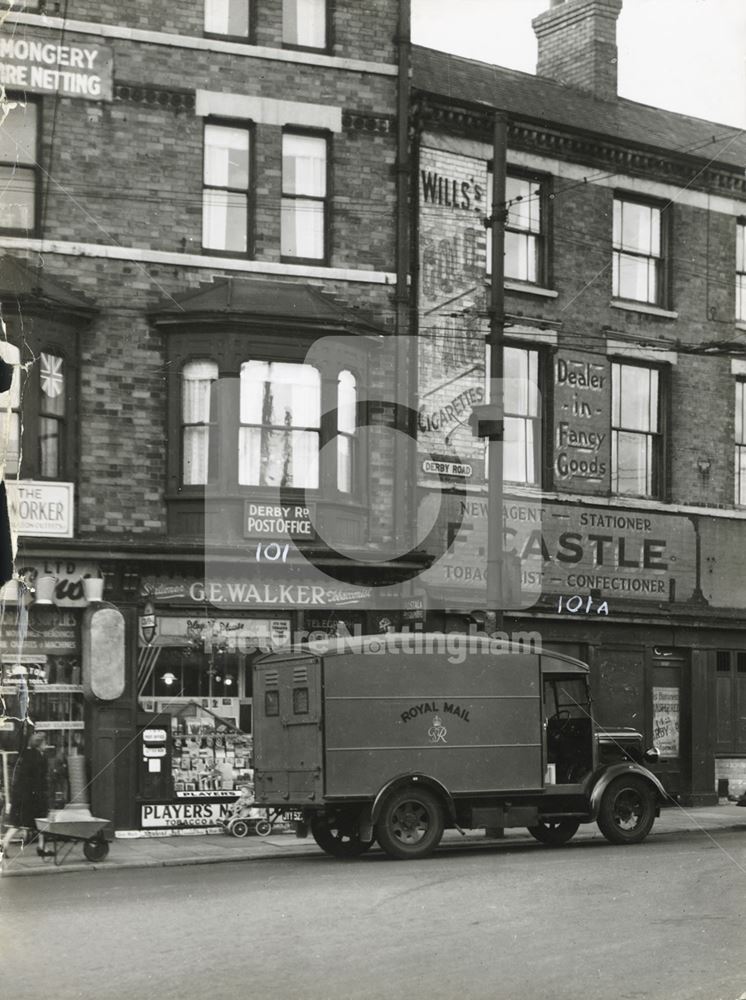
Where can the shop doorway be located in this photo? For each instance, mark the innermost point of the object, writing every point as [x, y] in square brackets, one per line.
[669, 713]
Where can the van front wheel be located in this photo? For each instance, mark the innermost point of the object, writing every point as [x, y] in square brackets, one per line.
[411, 824]
[627, 810]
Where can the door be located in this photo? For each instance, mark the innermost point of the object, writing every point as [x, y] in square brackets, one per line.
[670, 733]
[287, 733]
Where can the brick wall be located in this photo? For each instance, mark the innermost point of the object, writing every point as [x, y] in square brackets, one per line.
[359, 31]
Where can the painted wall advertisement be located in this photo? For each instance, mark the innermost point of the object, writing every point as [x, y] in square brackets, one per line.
[453, 203]
[564, 550]
[582, 424]
[666, 720]
[49, 66]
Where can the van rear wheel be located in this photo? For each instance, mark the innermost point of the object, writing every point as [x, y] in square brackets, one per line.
[338, 835]
[627, 811]
[554, 832]
[411, 824]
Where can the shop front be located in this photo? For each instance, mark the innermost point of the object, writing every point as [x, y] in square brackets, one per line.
[40, 671]
[196, 647]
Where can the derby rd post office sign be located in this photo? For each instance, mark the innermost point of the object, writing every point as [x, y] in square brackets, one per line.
[46, 66]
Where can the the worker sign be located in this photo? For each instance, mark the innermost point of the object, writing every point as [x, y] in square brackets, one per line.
[44, 65]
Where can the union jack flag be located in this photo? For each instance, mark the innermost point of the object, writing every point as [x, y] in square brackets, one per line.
[52, 379]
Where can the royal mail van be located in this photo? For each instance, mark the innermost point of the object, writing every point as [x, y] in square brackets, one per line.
[396, 737]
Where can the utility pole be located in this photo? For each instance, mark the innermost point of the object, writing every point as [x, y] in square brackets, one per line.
[488, 419]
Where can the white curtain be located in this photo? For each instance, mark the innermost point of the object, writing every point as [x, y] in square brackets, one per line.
[196, 387]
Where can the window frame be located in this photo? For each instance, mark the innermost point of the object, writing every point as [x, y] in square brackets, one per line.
[740, 314]
[249, 38]
[544, 276]
[326, 200]
[740, 446]
[328, 33]
[239, 124]
[663, 275]
[213, 461]
[35, 168]
[660, 471]
[30, 418]
[542, 440]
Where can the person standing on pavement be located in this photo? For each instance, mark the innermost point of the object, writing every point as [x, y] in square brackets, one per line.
[28, 790]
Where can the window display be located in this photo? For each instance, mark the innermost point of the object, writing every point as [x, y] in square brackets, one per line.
[208, 756]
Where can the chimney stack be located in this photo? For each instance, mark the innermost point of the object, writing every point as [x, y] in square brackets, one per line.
[577, 44]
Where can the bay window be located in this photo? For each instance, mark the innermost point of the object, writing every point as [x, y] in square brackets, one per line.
[280, 425]
[198, 422]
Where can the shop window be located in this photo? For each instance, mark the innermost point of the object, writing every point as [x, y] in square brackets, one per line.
[19, 168]
[198, 451]
[280, 425]
[525, 229]
[225, 195]
[304, 196]
[304, 24]
[637, 272]
[730, 701]
[636, 434]
[522, 446]
[740, 435]
[228, 18]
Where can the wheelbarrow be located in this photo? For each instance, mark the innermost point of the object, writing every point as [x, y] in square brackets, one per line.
[64, 828]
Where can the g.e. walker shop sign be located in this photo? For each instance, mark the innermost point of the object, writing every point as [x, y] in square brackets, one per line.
[244, 593]
[47, 66]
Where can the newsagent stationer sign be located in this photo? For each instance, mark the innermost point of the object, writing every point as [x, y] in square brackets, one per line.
[43, 66]
[565, 550]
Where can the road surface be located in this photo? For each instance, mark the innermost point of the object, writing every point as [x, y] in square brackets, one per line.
[660, 921]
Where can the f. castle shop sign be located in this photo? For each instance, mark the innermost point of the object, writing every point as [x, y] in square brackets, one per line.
[566, 550]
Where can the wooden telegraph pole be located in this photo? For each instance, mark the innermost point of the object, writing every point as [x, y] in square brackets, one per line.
[488, 418]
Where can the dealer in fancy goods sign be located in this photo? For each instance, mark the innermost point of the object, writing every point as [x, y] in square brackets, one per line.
[43, 65]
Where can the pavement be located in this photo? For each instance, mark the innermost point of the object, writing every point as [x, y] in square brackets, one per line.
[214, 848]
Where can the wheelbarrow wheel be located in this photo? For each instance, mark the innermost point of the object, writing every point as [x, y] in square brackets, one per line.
[96, 849]
[263, 827]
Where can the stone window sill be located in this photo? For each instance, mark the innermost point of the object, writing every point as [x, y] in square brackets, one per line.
[643, 307]
[516, 286]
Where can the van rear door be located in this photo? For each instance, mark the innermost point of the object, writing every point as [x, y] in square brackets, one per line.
[287, 714]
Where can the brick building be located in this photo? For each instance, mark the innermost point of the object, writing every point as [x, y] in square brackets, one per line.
[199, 276]
[624, 379]
[206, 276]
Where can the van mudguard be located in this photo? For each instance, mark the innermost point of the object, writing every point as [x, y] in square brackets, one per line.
[615, 771]
[410, 779]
